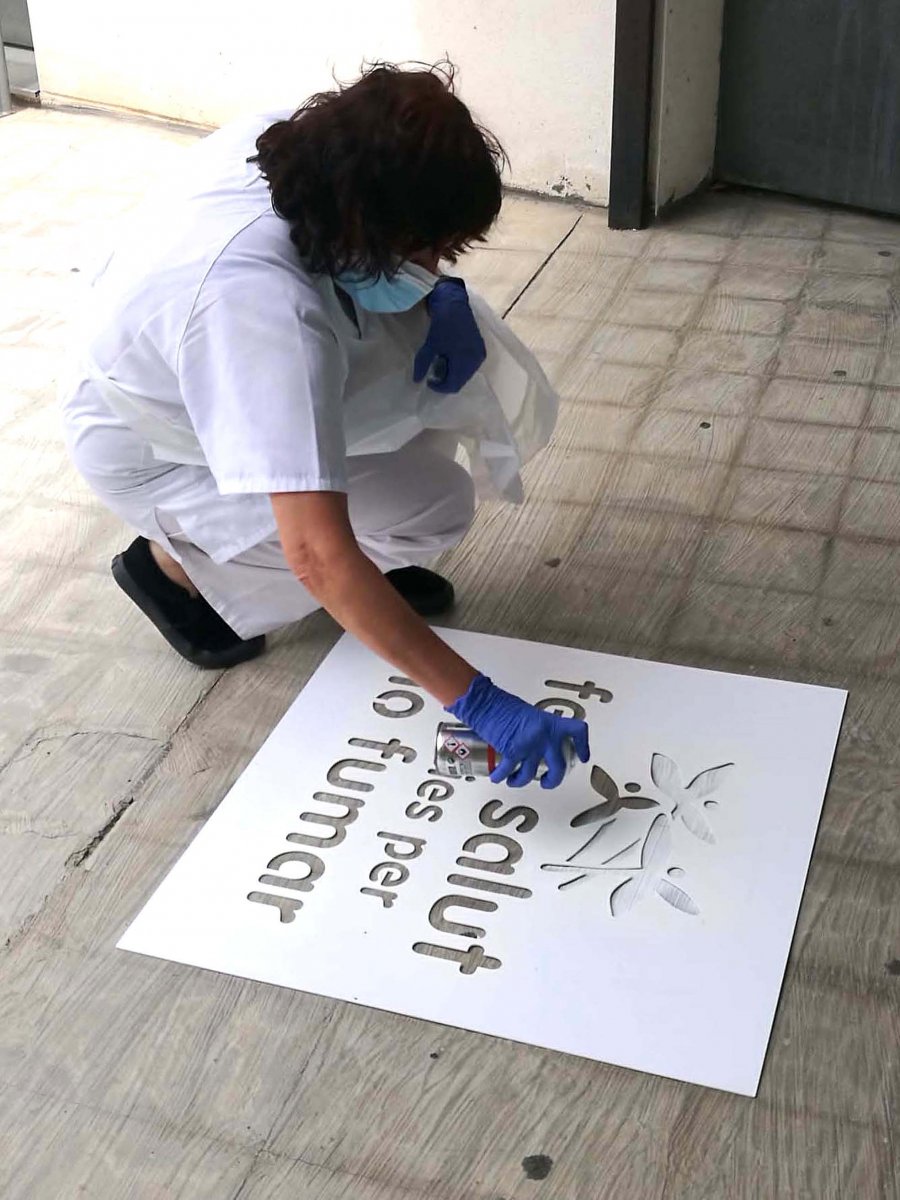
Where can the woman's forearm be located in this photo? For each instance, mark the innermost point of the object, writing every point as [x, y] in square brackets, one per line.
[358, 596]
[324, 555]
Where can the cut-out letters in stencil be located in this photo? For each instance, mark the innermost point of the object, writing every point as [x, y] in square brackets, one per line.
[599, 919]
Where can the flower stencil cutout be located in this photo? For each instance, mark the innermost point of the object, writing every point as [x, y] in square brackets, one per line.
[653, 875]
[688, 800]
[656, 872]
[614, 802]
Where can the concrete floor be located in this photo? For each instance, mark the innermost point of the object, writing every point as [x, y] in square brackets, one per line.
[723, 490]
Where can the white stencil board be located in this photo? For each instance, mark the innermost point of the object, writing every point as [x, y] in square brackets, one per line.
[652, 934]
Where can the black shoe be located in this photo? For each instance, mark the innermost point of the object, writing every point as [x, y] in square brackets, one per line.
[188, 623]
[425, 591]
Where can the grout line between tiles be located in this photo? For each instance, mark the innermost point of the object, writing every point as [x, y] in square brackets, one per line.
[716, 515]
[830, 544]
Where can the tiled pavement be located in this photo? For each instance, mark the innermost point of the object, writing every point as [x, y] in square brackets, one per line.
[723, 489]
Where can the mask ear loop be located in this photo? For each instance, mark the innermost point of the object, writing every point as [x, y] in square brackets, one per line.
[420, 274]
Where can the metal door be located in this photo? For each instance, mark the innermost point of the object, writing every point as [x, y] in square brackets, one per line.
[14, 23]
[809, 99]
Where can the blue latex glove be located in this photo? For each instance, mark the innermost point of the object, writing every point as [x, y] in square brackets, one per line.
[525, 735]
[454, 346]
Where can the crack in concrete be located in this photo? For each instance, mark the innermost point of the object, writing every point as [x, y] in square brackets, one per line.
[27, 827]
[119, 810]
[48, 837]
[80, 856]
[38, 738]
[559, 245]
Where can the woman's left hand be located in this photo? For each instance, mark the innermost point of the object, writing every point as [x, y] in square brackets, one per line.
[454, 346]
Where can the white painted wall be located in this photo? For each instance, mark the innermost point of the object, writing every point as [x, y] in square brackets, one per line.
[688, 47]
[537, 72]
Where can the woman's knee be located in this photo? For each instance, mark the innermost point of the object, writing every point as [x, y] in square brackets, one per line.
[444, 504]
[461, 500]
[416, 493]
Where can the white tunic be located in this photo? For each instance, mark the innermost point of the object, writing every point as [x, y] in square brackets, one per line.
[207, 344]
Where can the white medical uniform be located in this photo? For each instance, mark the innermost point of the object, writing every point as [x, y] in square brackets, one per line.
[214, 370]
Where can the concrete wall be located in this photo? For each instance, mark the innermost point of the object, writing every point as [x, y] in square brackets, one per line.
[537, 72]
[688, 46]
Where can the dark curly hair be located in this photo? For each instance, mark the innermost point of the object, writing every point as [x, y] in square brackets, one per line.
[386, 167]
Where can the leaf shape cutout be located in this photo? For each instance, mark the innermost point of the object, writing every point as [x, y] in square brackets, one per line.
[639, 802]
[676, 896]
[657, 842]
[599, 812]
[623, 897]
[604, 784]
[665, 775]
[708, 781]
[697, 824]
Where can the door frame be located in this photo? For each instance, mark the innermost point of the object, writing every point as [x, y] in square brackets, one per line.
[629, 195]
[665, 104]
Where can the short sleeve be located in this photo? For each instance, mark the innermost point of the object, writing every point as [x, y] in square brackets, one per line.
[262, 376]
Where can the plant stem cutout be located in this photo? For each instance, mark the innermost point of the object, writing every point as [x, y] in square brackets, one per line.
[653, 874]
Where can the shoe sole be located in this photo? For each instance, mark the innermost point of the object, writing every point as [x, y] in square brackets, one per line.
[209, 660]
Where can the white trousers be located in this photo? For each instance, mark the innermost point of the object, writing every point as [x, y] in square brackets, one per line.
[406, 508]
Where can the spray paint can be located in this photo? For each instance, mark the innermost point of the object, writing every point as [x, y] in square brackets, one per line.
[459, 753]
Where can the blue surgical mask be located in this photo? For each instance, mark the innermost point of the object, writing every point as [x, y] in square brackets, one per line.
[382, 295]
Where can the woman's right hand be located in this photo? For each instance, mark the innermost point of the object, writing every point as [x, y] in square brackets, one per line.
[525, 735]
[320, 547]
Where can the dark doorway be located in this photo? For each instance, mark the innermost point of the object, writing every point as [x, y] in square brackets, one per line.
[809, 99]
